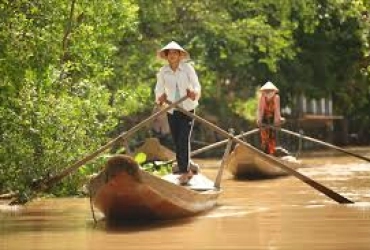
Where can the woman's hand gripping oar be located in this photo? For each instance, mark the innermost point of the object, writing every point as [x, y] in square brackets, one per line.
[328, 192]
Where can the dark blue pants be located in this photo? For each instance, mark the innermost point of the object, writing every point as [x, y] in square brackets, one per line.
[181, 127]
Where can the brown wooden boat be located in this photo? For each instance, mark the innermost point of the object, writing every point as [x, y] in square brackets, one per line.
[245, 163]
[155, 151]
[122, 191]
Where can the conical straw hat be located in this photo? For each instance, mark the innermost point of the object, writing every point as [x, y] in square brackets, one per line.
[269, 86]
[172, 45]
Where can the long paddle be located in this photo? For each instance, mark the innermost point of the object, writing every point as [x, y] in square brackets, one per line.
[217, 183]
[328, 192]
[45, 184]
[215, 145]
[323, 143]
[221, 143]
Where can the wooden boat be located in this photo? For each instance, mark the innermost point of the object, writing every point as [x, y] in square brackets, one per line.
[245, 163]
[155, 151]
[122, 191]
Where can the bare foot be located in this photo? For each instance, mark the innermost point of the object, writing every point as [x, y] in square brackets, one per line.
[185, 178]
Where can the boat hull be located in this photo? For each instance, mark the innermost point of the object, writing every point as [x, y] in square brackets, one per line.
[123, 191]
[246, 163]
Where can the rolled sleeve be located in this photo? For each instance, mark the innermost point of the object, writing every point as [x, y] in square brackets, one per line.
[277, 117]
[260, 108]
[194, 81]
[159, 87]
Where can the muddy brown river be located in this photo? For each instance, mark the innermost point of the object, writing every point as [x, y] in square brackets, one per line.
[282, 213]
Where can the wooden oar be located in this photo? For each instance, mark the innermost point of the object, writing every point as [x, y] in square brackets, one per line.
[215, 145]
[223, 163]
[221, 143]
[45, 184]
[328, 192]
[323, 143]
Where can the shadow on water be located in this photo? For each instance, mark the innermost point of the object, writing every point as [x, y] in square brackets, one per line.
[33, 220]
[259, 177]
[119, 226]
[133, 226]
[24, 220]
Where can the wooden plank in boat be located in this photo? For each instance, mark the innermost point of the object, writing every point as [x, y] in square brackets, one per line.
[199, 182]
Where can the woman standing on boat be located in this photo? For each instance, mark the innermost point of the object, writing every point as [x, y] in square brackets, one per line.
[268, 114]
[174, 81]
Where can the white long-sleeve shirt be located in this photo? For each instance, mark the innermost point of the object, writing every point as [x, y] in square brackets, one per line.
[183, 78]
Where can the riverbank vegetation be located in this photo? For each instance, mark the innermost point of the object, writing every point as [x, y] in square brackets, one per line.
[72, 72]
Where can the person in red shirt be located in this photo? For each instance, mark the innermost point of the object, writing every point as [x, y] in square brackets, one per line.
[268, 114]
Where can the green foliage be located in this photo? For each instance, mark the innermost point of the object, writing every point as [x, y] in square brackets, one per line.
[247, 109]
[158, 168]
[55, 106]
[140, 158]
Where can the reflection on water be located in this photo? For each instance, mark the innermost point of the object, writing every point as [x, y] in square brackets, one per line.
[282, 213]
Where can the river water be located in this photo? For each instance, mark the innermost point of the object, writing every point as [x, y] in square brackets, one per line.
[282, 213]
